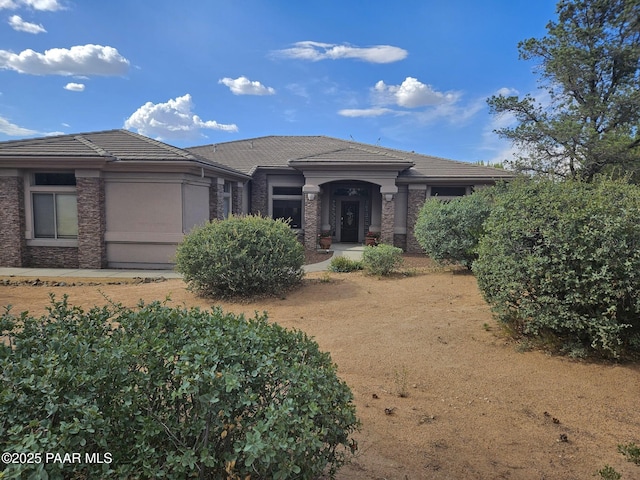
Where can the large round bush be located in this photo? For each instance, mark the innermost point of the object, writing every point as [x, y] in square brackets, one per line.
[561, 262]
[161, 392]
[241, 256]
[449, 231]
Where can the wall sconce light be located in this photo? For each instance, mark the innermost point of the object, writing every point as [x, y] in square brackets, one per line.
[388, 197]
[311, 196]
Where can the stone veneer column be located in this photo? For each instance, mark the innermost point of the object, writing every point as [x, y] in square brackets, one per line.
[92, 250]
[388, 219]
[216, 199]
[415, 200]
[12, 233]
[311, 194]
[237, 192]
[259, 194]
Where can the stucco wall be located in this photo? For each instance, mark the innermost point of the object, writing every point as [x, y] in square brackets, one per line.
[147, 216]
[195, 206]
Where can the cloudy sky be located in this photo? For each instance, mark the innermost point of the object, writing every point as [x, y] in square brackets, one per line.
[412, 75]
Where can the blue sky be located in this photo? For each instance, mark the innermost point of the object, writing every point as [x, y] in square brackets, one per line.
[412, 75]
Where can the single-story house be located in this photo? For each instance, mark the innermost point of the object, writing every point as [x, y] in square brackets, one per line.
[121, 200]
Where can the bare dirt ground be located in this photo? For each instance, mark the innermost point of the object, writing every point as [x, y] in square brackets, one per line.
[440, 392]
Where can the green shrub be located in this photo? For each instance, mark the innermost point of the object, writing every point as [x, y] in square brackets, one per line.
[448, 232]
[561, 261]
[344, 264]
[381, 259]
[241, 256]
[631, 451]
[169, 393]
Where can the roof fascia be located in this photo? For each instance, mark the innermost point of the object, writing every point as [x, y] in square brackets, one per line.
[56, 163]
[342, 165]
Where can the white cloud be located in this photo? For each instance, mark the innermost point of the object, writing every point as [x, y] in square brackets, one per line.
[43, 5]
[78, 60]
[366, 112]
[412, 94]
[13, 130]
[315, 51]
[507, 92]
[74, 87]
[18, 24]
[172, 120]
[244, 86]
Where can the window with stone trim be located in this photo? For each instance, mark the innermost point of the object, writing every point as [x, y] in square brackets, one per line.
[54, 205]
[287, 204]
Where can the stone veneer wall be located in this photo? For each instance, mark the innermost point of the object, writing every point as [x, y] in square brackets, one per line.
[259, 194]
[311, 222]
[388, 223]
[237, 193]
[415, 201]
[400, 241]
[52, 257]
[216, 200]
[92, 250]
[12, 240]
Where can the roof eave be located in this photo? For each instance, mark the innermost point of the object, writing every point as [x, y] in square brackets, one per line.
[342, 165]
[454, 178]
[54, 162]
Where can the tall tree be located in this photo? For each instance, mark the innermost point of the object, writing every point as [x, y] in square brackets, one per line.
[589, 63]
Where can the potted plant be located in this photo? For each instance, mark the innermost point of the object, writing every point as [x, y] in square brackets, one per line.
[372, 238]
[324, 239]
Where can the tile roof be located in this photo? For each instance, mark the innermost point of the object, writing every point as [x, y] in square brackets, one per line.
[245, 156]
[277, 151]
[111, 145]
[117, 145]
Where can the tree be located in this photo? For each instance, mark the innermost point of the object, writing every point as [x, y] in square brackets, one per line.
[590, 66]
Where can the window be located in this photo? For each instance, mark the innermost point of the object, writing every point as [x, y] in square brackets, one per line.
[287, 204]
[54, 206]
[55, 215]
[226, 200]
[58, 179]
[448, 191]
[288, 209]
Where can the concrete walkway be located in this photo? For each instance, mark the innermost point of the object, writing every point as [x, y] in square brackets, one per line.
[349, 250]
[345, 249]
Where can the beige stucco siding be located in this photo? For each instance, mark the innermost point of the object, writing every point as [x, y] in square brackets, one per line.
[195, 204]
[147, 216]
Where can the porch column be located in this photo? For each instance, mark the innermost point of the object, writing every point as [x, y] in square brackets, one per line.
[387, 226]
[311, 194]
[236, 198]
[12, 219]
[216, 199]
[92, 250]
[415, 200]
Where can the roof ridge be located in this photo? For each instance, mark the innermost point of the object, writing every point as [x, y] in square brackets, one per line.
[262, 138]
[92, 146]
[179, 151]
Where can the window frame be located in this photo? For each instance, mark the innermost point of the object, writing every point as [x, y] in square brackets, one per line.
[448, 197]
[286, 197]
[30, 189]
[227, 203]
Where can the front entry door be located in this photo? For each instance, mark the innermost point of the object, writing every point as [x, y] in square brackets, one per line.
[349, 222]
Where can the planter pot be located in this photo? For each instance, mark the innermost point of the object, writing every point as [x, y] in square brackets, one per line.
[325, 243]
[370, 241]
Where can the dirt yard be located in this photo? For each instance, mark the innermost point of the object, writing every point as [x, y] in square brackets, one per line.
[440, 392]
